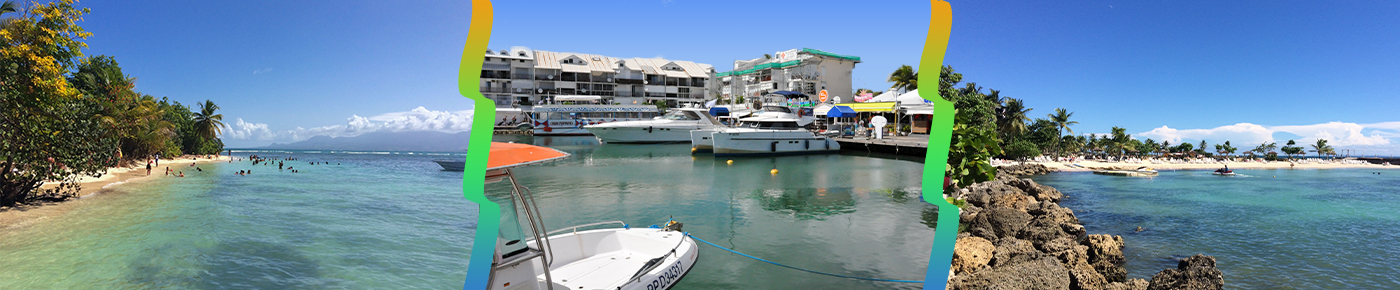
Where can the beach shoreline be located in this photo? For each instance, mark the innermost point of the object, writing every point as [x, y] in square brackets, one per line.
[22, 215]
[1093, 165]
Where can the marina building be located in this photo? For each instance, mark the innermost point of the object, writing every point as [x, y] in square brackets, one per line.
[806, 71]
[522, 77]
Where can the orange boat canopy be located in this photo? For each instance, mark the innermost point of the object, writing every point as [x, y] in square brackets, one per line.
[506, 155]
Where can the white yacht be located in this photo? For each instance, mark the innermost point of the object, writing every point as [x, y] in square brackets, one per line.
[531, 258]
[571, 113]
[701, 140]
[764, 135]
[675, 126]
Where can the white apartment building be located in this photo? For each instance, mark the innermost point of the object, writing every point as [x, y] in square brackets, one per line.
[521, 77]
[806, 71]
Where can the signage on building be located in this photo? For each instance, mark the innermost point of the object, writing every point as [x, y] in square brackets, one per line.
[822, 96]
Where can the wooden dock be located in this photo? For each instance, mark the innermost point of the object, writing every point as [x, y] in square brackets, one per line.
[914, 146]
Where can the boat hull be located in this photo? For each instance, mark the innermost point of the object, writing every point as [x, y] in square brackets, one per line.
[649, 134]
[700, 141]
[452, 165]
[608, 259]
[760, 143]
[1126, 173]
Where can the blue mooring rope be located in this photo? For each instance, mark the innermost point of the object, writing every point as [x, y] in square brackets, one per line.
[800, 269]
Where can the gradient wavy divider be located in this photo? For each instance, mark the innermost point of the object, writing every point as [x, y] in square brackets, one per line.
[474, 174]
[940, 26]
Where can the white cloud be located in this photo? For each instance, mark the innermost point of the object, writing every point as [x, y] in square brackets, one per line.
[241, 130]
[418, 119]
[1371, 138]
[262, 71]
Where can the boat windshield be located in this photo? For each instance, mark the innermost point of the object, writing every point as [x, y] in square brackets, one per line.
[777, 125]
[510, 238]
[779, 109]
[681, 115]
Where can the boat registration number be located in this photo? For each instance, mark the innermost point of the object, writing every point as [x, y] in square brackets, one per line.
[666, 278]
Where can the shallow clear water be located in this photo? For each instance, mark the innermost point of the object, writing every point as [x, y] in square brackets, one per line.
[845, 214]
[376, 221]
[1268, 229]
[393, 220]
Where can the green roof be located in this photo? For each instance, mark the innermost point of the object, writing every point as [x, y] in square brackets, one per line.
[785, 64]
[823, 53]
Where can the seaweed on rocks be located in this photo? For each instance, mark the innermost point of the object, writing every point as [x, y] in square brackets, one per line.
[1015, 235]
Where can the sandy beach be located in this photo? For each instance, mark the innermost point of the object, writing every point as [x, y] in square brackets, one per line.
[1092, 165]
[18, 216]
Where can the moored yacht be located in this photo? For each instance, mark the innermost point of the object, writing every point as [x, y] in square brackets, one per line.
[764, 135]
[675, 126]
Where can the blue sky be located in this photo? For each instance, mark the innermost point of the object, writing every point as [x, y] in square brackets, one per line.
[1244, 71]
[280, 65]
[1241, 71]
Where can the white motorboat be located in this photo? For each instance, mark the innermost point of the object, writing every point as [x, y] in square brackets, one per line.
[763, 135]
[675, 126]
[571, 257]
[452, 165]
[702, 140]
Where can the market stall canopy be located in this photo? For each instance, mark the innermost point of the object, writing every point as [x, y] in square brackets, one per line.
[887, 96]
[841, 112]
[918, 110]
[822, 109]
[872, 107]
[912, 97]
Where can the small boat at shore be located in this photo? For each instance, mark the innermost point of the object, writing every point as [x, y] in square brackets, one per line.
[529, 257]
[452, 165]
[1140, 172]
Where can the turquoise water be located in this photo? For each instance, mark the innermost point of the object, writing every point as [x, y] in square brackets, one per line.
[376, 221]
[846, 214]
[394, 220]
[1268, 229]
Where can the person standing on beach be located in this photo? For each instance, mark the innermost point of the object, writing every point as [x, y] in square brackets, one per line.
[148, 169]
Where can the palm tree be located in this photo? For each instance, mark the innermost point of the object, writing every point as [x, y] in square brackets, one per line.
[1321, 147]
[1061, 121]
[206, 122]
[1119, 139]
[1013, 120]
[905, 78]
[8, 7]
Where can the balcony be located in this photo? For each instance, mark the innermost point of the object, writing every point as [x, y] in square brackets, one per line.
[603, 79]
[626, 94]
[491, 74]
[628, 81]
[520, 76]
[547, 77]
[495, 90]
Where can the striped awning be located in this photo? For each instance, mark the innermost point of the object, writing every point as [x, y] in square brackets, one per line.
[871, 107]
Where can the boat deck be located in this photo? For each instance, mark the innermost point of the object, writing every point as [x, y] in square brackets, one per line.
[585, 274]
[914, 145]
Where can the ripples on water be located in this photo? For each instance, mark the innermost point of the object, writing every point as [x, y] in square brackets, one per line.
[378, 221]
[1268, 229]
[394, 220]
[846, 214]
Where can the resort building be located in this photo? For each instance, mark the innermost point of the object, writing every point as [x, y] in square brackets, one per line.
[522, 77]
[806, 71]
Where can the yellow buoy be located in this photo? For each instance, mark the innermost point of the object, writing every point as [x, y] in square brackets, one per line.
[731, 161]
[692, 149]
[774, 171]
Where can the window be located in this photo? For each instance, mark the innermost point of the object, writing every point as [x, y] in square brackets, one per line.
[681, 116]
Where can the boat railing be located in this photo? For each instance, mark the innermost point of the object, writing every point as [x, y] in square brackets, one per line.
[575, 228]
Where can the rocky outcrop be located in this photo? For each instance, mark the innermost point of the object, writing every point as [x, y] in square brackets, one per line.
[1016, 236]
[1195, 273]
[1022, 170]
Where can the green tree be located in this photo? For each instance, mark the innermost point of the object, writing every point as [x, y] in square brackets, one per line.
[1061, 120]
[1291, 150]
[904, 78]
[1322, 148]
[8, 7]
[1119, 140]
[1012, 121]
[47, 132]
[1202, 149]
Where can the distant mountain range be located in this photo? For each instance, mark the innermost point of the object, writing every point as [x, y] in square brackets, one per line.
[384, 141]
